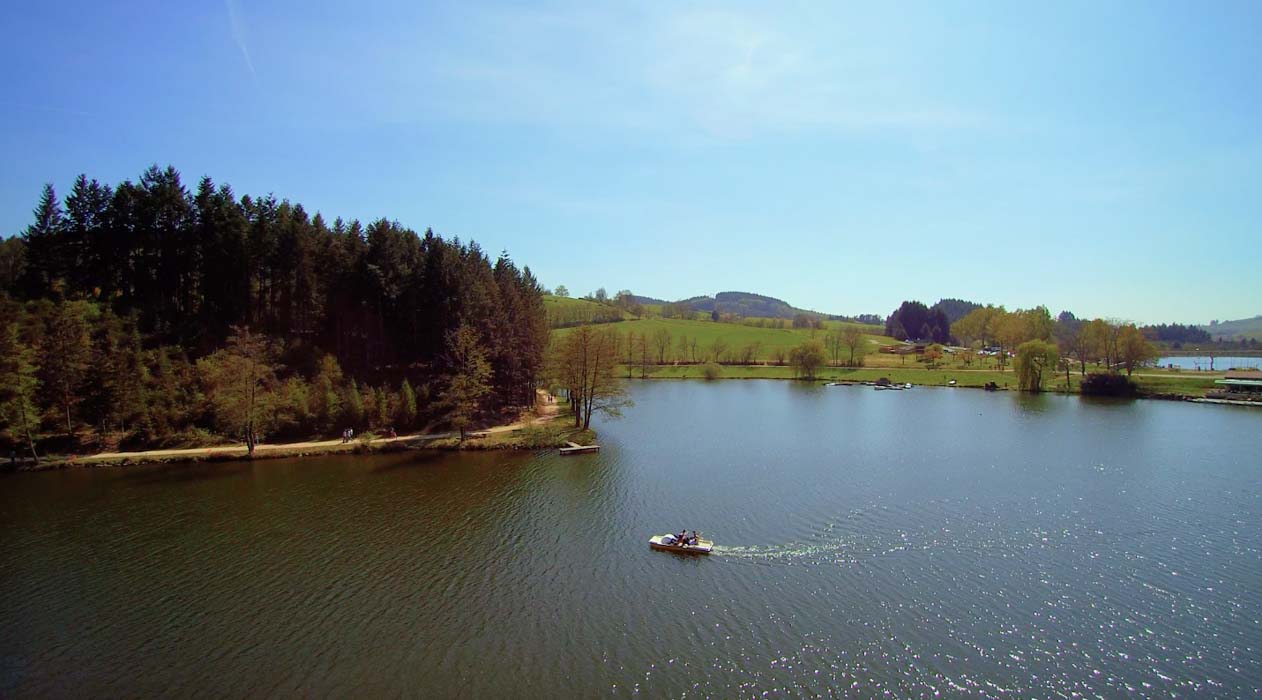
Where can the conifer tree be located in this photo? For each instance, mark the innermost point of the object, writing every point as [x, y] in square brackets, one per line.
[45, 263]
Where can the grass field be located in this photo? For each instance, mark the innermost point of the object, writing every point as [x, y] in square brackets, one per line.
[735, 336]
[551, 303]
[564, 311]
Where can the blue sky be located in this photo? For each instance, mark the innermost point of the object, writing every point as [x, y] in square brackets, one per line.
[1100, 157]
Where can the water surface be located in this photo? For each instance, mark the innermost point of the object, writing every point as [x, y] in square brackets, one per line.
[1201, 362]
[918, 542]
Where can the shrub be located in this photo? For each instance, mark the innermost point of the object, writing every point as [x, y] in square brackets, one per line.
[1108, 384]
[712, 371]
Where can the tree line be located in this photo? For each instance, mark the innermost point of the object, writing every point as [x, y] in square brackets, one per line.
[125, 308]
[1038, 342]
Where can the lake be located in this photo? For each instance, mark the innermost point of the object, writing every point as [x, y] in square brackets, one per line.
[1201, 362]
[922, 542]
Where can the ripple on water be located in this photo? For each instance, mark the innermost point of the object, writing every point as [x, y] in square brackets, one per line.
[1044, 548]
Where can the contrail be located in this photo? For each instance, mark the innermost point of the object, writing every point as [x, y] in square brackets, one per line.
[239, 36]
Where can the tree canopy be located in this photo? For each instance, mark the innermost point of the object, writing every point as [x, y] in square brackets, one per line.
[120, 290]
[913, 320]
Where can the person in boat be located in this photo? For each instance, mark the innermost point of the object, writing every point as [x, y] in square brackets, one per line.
[692, 540]
[682, 537]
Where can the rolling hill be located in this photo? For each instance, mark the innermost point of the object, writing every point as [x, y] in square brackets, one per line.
[1234, 330]
[745, 304]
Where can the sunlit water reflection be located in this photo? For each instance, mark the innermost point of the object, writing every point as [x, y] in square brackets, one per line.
[917, 542]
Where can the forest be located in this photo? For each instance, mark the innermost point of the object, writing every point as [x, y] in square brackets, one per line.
[148, 314]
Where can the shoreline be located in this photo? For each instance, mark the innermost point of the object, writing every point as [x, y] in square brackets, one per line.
[537, 430]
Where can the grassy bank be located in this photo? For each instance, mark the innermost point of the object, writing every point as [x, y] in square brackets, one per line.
[545, 436]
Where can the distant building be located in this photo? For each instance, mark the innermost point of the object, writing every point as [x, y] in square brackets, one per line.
[1239, 386]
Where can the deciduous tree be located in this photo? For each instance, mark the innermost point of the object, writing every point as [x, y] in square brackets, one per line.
[661, 344]
[834, 341]
[240, 383]
[852, 337]
[1034, 360]
[807, 358]
[406, 415]
[1133, 348]
[584, 362]
[65, 352]
[469, 379]
[19, 418]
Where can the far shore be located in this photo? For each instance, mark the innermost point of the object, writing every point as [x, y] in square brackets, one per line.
[1153, 383]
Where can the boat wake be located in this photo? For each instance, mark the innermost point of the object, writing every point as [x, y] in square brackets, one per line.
[794, 550]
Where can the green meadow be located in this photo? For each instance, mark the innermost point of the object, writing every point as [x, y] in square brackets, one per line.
[553, 304]
[735, 336]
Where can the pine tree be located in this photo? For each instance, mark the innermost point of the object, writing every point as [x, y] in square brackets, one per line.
[87, 208]
[45, 260]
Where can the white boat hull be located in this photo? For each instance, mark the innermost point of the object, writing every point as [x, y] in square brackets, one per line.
[701, 547]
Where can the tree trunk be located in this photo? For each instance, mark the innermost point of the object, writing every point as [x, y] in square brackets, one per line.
[26, 428]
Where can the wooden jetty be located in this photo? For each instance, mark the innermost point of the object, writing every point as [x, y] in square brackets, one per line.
[573, 448]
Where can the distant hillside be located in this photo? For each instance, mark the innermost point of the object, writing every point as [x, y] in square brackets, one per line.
[1234, 330]
[564, 312]
[744, 304]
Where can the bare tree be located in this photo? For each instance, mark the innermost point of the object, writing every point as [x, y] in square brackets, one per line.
[777, 356]
[833, 341]
[661, 343]
[630, 352]
[717, 349]
[852, 337]
[584, 362]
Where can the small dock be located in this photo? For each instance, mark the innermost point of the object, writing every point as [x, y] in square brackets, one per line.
[573, 448]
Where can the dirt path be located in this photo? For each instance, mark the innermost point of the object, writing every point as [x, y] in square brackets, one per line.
[546, 409]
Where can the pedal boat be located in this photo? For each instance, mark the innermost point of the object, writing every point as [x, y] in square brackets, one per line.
[667, 543]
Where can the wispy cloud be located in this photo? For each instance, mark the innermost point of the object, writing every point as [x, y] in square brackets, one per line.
[238, 35]
[722, 72]
[739, 74]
